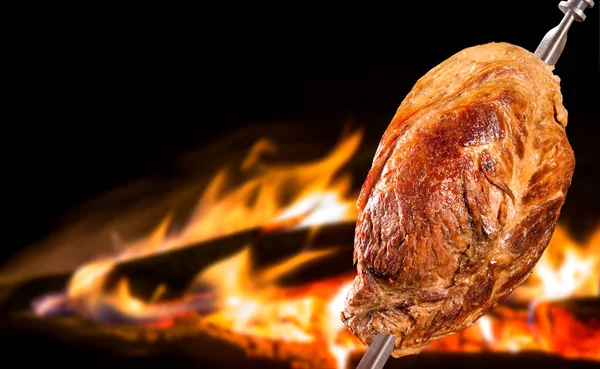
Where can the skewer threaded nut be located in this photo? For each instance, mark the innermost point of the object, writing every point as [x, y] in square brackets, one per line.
[576, 7]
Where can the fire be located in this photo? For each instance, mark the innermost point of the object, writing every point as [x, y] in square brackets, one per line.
[342, 343]
[315, 195]
[238, 296]
[254, 305]
[242, 299]
[566, 269]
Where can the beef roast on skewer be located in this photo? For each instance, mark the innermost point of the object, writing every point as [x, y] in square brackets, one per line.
[462, 198]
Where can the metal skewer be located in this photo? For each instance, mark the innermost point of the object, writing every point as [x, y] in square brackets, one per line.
[378, 353]
[549, 50]
[553, 43]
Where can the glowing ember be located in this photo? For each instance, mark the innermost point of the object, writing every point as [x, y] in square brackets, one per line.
[237, 296]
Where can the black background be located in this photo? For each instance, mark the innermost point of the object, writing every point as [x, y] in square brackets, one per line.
[106, 96]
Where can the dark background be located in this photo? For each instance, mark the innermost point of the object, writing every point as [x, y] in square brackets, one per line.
[110, 96]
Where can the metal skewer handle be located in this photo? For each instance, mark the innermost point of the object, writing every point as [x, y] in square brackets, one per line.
[553, 43]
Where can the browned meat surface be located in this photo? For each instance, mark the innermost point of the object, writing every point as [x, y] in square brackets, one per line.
[463, 195]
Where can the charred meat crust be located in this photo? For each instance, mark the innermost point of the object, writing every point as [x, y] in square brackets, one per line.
[463, 196]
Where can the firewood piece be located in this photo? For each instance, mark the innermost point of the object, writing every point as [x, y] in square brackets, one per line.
[178, 267]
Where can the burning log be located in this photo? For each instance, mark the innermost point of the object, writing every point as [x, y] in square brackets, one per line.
[284, 333]
[178, 267]
[273, 293]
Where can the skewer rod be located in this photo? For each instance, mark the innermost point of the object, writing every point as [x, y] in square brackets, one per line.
[378, 353]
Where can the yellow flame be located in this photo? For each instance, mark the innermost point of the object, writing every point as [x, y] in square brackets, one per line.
[334, 328]
[247, 309]
[259, 201]
[566, 269]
